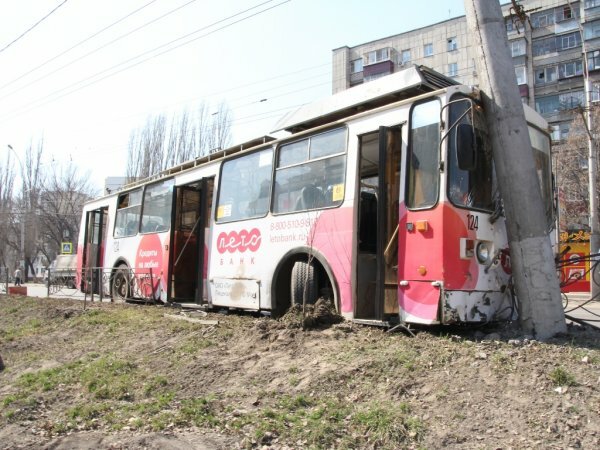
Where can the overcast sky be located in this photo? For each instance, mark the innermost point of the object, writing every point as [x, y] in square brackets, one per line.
[83, 90]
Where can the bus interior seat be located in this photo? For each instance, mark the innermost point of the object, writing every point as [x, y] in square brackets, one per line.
[131, 228]
[310, 197]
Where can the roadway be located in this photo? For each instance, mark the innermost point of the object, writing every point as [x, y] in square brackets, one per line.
[578, 306]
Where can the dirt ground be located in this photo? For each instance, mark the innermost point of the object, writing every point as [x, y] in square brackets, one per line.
[132, 377]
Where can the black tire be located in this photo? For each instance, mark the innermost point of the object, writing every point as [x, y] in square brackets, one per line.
[304, 275]
[120, 284]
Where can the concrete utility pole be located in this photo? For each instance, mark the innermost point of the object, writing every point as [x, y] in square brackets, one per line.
[534, 273]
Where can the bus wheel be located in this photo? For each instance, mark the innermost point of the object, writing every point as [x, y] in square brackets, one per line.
[120, 283]
[304, 280]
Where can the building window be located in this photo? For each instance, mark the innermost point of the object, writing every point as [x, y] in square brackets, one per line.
[453, 69]
[452, 44]
[521, 74]
[591, 30]
[568, 41]
[383, 54]
[593, 60]
[513, 24]
[356, 65]
[542, 19]
[564, 13]
[571, 100]
[595, 93]
[570, 69]
[564, 129]
[591, 3]
[517, 47]
[547, 105]
[428, 50]
[544, 46]
[405, 56]
[545, 75]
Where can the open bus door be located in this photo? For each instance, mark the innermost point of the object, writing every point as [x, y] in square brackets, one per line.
[93, 251]
[188, 261]
[378, 210]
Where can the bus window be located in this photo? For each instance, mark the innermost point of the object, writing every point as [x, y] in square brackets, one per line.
[540, 144]
[470, 188]
[128, 213]
[423, 155]
[245, 187]
[156, 215]
[310, 173]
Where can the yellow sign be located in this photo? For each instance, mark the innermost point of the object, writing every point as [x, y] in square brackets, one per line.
[66, 248]
[338, 193]
[223, 211]
[575, 236]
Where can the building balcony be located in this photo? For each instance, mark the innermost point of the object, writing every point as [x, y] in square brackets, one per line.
[380, 68]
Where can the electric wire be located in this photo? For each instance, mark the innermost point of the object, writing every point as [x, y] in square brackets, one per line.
[106, 73]
[97, 49]
[32, 27]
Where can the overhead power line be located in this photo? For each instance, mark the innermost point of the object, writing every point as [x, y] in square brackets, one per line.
[102, 30]
[141, 58]
[73, 61]
[32, 27]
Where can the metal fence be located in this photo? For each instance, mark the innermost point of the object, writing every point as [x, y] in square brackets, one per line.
[120, 284]
[591, 262]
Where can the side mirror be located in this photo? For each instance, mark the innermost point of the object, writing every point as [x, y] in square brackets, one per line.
[466, 147]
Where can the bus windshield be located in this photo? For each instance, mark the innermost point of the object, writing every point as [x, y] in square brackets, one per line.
[540, 144]
[473, 189]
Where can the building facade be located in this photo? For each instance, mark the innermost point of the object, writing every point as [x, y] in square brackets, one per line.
[547, 51]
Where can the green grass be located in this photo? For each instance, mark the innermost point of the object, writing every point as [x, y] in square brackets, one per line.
[31, 327]
[561, 377]
[198, 411]
[105, 377]
[8, 400]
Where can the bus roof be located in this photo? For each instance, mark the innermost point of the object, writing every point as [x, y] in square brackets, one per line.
[410, 82]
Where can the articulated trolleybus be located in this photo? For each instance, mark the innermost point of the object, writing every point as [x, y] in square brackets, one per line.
[381, 198]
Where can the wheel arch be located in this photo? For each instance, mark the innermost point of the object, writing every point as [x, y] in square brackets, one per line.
[120, 261]
[281, 281]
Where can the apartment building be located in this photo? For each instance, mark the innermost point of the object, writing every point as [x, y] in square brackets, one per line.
[547, 53]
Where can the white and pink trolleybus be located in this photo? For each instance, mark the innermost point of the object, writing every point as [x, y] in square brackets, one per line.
[382, 198]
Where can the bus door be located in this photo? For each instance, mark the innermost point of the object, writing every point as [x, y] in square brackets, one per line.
[93, 251]
[188, 259]
[377, 266]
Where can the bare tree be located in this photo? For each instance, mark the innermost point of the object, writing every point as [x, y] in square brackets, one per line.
[7, 178]
[146, 148]
[219, 135]
[64, 192]
[23, 233]
[200, 137]
[572, 175]
[162, 143]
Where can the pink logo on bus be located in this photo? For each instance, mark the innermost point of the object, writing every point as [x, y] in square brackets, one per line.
[239, 241]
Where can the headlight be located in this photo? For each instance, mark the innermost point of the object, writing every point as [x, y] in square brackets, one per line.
[482, 252]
